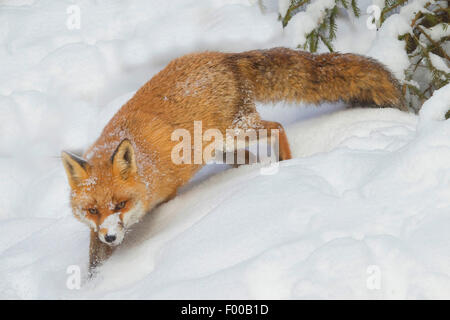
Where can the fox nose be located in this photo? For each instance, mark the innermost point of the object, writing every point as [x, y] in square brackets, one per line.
[110, 238]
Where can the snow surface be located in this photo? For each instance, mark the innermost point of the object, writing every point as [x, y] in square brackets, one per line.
[363, 211]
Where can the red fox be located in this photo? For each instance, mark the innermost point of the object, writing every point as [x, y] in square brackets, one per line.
[128, 170]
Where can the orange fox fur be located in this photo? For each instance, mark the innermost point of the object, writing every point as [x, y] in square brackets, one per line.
[128, 170]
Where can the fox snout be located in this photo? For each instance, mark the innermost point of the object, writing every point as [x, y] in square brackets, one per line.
[112, 230]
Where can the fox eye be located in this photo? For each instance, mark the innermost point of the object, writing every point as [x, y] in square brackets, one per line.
[93, 211]
[120, 205]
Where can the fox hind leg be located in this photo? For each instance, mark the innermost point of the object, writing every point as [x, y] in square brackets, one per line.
[284, 149]
[254, 121]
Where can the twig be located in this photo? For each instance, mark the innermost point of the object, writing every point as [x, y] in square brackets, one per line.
[436, 45]
[288, 14]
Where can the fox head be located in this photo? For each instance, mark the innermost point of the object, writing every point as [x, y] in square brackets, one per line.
[109, 195]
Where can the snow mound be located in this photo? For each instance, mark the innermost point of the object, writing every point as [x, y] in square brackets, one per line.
[372, 194]
[313, 230]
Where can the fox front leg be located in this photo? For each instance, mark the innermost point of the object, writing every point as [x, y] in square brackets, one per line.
[98, 252]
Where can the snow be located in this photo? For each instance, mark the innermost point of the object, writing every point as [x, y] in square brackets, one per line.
[392, 54]
[304, 22]
[362, 211]
[438, 31]
[411, 9]
[436, 107]
[438, 62]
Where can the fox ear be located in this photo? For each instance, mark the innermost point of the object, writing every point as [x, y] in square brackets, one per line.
[75, 168]
[124, 160]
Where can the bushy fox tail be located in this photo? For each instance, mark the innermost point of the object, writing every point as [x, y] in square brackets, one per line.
[285, 74]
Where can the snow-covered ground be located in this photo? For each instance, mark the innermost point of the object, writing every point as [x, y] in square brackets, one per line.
[363, 211]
